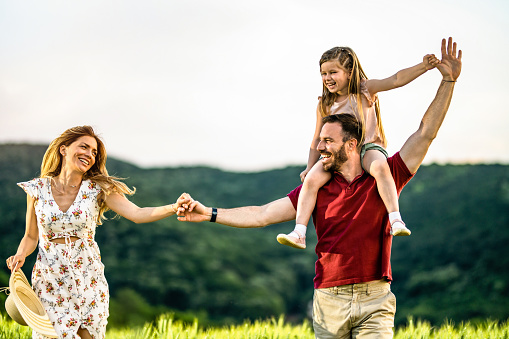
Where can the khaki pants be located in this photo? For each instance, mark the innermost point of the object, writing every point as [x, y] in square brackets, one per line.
[354, 311]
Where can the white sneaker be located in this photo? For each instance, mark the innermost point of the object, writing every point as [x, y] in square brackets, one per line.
[398, 227]
[293, 239]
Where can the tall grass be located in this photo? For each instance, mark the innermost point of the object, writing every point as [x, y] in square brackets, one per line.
[423, 330]
[11, 330]
[165, 327]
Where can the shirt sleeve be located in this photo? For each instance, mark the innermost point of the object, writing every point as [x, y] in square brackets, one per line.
[400, 171]
[30, 187]
[294, 196]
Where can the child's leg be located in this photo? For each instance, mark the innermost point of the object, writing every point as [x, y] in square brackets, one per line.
[375, 163]
[316, 178]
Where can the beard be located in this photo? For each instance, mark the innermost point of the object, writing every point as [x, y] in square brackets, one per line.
[338, 159]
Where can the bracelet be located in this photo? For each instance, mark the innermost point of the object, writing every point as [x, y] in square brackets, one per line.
[214, 215]
[449, 80]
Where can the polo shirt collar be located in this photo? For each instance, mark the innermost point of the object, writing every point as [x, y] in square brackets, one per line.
[357, 178]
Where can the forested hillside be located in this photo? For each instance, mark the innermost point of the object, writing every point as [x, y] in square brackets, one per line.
[455, 264]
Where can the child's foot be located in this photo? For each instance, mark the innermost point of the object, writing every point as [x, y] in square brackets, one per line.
[398, 227]
[293, 239]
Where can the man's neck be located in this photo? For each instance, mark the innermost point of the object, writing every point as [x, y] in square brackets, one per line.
[351, 169]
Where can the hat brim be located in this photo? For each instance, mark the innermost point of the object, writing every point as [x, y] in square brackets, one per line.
[13, 312]
[29, 306]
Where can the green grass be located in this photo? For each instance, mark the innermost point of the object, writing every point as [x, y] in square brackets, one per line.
[165, 327]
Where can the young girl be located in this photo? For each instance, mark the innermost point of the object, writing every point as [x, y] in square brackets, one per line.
[347, 90]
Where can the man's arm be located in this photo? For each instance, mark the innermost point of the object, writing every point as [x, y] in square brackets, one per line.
[277, 211]
[415, 148]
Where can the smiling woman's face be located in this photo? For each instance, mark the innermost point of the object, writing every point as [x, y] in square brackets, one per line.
[80, 155]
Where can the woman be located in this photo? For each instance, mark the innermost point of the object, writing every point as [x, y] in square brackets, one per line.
[64, 206]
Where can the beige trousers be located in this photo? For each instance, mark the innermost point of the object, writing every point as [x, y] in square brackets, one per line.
[354, 311]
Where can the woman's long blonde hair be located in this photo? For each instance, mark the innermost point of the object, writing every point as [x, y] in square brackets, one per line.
[347, 59]
[52, 166]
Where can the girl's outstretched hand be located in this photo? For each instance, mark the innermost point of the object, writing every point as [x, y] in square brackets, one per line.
[450, 65]
[430, 61]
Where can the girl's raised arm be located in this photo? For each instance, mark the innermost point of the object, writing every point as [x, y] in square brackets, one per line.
[402, 77]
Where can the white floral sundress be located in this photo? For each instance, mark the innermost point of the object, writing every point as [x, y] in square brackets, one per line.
[69, 278]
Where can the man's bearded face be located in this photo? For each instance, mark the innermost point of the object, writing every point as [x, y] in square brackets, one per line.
[332, 161]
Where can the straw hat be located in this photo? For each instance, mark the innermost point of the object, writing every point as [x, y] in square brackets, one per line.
[25, 308]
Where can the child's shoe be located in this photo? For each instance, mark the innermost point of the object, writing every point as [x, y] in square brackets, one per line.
[293, 239]
[398, 227]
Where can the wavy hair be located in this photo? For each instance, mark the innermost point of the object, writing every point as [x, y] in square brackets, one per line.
[347, 59]
[52, 166]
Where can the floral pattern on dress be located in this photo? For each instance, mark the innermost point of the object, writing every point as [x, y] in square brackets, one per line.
[69, 278]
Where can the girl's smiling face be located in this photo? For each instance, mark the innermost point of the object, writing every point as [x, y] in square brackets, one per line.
[335, 77]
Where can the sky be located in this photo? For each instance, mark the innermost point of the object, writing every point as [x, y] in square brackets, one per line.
[234, 84]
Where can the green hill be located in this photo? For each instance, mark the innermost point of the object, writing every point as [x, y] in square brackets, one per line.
[455, 265]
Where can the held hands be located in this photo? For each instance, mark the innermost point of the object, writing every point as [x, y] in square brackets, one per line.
[192, 210]
[182, 203]
[450, 65]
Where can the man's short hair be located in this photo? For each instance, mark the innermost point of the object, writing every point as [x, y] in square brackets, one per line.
[351, 127]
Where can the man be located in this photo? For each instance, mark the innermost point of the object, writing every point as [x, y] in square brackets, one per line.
[352, 295]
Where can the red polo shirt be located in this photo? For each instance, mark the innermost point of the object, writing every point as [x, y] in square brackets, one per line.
[352, 225]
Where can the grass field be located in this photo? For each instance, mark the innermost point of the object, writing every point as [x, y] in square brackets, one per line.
[166, 328]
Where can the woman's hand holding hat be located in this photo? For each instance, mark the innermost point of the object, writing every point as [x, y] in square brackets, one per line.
[14, 262]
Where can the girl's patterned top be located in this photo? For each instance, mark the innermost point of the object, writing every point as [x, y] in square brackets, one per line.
[80, 220]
